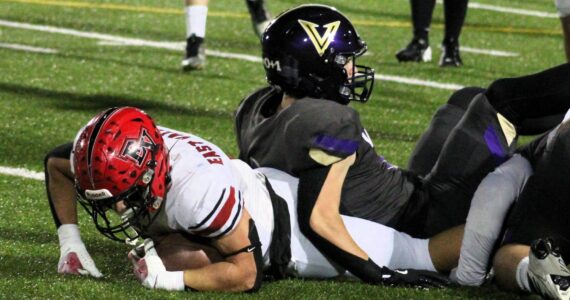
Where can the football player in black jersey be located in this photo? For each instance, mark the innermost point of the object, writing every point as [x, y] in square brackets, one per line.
[301, 125]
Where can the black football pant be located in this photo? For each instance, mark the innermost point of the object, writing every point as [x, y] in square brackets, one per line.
[547, 92]
[479, 142]
[454, 11]
[543, 208]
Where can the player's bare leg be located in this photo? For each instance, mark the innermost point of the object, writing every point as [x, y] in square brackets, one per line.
[444, 248]
[505, 264]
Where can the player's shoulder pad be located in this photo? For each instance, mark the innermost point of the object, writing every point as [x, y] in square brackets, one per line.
[248, 104]
[332, 131]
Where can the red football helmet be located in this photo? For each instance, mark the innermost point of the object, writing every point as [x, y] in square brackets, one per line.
[120, 156]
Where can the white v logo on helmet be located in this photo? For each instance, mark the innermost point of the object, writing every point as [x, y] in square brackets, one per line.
[321, 43]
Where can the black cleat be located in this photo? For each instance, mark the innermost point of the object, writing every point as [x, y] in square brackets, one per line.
[417, 50]
[450, 56]
[195, 58]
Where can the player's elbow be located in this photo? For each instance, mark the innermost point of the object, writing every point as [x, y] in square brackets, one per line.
[247, 279]
[324, 222]
[319, 224]
[250, 283]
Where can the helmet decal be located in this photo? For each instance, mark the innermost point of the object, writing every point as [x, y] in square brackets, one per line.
[305, 53]
[139, 148]
[321, 43]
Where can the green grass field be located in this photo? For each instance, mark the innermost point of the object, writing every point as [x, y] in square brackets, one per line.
[46, 97]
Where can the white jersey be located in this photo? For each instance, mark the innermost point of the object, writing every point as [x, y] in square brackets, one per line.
[207, 195]
[209, 192]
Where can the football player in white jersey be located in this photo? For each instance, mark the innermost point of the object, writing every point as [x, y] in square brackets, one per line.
[163, 182]
[196, 13]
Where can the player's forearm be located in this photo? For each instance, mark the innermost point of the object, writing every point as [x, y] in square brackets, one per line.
[61, 190]
[325, 217]
[223, 276]
[332, 228]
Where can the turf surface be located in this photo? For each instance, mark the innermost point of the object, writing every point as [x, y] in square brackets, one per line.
[46, 98]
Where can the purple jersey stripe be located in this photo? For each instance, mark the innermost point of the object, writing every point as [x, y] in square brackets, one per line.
[333, 144]
[494, 144]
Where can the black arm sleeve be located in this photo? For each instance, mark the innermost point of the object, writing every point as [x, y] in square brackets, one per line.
[310, 184]
[257, 254]
[61, 151]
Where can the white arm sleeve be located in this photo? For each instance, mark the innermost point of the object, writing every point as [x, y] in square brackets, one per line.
[489, 207]
[563, 7]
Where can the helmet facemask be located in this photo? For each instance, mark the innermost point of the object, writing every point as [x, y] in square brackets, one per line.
[343, 88]
[125, 226]
[136, 217]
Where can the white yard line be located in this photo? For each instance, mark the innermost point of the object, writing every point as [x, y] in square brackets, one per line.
[176, 46]
[515, 11]
[512, 10]
[21, 172]
[489, 52]
[420, 82]
[27, 48]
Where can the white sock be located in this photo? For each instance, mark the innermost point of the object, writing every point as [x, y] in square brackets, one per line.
[196, 20]
[522, 275]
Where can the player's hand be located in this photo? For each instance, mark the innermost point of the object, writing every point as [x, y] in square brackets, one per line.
[75, 259]
[414, 278]
[150, 271]
[147, 267]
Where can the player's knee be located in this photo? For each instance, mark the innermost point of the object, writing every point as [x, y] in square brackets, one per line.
[463, 97]
[50, 165]
[57, 160]
[309, 224]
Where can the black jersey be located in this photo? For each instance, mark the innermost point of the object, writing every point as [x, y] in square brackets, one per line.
[288, 140]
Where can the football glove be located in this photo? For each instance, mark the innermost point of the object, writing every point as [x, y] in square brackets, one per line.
[414, 278]
[74, 258]
[150, 271]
